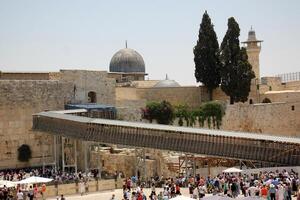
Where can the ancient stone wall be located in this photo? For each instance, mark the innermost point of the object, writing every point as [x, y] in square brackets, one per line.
[90, 81]
[192, 96]
[282, 96]
[123, 162]
[275, 118]
[24, 76]
[130, 110]
[18, 101]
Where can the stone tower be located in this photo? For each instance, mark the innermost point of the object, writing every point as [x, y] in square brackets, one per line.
[253, 47]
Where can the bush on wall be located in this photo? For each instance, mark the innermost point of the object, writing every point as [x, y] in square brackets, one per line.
[162, 112]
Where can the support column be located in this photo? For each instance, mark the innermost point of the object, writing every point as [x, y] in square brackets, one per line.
[85, 157]
[63, 153]
[194, 166]
[43, 156]
[55, 152]
[99, 163]
[75, 155]
[186, 167]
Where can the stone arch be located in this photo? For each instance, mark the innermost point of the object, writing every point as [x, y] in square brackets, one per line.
[266, 100]
[92, 97]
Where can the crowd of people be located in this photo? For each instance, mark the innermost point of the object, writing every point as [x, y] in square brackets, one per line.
[277, 185]
[271, 185]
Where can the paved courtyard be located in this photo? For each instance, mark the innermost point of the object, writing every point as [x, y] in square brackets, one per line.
[106, 195]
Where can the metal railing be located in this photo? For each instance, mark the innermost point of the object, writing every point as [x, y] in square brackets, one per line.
[289, 77]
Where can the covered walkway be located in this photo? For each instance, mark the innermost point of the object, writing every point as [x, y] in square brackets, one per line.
[227, 144]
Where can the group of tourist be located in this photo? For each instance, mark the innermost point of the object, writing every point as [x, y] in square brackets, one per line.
[277, 185]
[35, 191]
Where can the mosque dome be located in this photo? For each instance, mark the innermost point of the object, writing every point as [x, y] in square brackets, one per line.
[166, 83]
[128, 61]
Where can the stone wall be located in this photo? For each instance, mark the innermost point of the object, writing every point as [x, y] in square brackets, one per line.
[72, 188]
[130, 110]
[90, 81]
[192, 96]
[18, 101]
[282, 96]
[124, 162]
[273, 118]
[24, 76]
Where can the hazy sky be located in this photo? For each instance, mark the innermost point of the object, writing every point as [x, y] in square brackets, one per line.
[48, 35]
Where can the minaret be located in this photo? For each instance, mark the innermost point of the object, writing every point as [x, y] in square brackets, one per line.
[253, 47]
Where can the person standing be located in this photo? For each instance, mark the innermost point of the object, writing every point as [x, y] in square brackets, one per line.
[62, 197]
[20, 195]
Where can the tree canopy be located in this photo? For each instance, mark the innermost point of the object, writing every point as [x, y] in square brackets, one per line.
[236, 71]
[206, 56]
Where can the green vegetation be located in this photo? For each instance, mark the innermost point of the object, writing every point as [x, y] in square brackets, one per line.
[162, 112]
[207, 56]
[24, 153]
[210, 114]
[236, 72]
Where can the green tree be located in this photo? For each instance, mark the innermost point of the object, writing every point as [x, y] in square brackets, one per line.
[206, 56]
[236, 72]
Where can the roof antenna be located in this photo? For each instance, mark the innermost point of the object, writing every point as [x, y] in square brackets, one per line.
[251, 28]
[167, 78]
[126, 44]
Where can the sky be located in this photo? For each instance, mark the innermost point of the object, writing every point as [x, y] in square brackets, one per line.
[48, 35]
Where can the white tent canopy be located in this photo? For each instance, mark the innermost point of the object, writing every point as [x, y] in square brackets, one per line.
[35, 179]
[180, 197]
[232, 170]
[217, 197]
[8, 184]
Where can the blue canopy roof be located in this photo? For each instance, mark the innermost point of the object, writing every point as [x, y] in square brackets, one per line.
[90, 106]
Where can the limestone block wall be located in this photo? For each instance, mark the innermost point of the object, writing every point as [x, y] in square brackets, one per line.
[86, 81]
[275, 118]
[123, 162]
[130, 110]
[192, 96]
[24, 76]
[282, 96]
[18, 101]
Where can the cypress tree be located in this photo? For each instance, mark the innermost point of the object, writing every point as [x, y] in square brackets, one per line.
[206, 56]
[236, 72]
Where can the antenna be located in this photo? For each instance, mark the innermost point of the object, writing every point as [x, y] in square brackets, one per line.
[167, 78]
[126, 44]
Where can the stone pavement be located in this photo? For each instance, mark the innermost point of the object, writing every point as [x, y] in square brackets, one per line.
[106, 195]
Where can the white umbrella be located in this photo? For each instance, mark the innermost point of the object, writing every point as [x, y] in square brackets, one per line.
[180, 197]
[34, 179]
[232, 170]
[217, 197]
[8, 184]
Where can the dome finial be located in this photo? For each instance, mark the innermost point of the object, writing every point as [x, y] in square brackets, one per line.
[126, 44]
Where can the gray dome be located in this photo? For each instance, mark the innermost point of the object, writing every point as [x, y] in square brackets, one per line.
[166, 83]
[127, 61]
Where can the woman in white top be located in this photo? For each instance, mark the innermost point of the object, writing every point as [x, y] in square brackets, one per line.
[20, 195]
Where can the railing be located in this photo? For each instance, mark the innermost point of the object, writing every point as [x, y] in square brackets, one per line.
[279, 152]
[289, 77]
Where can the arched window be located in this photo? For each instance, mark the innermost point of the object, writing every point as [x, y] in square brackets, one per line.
[266, 100]
[92, 97]
[250, 101]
